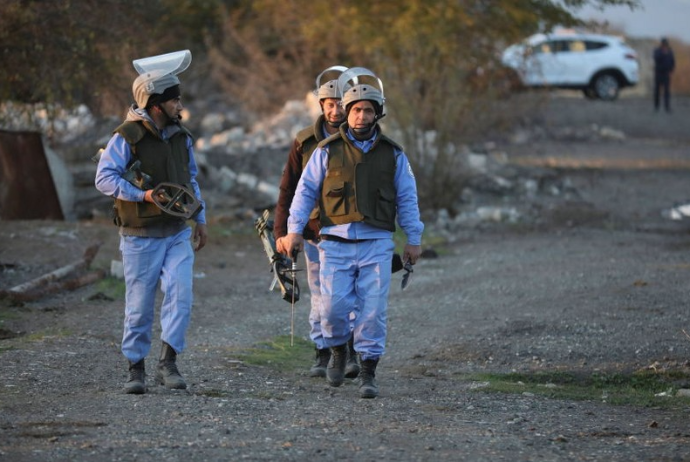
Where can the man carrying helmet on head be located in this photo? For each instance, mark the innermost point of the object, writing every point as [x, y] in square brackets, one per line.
[332, 116]
[155, 246]
[363, 184]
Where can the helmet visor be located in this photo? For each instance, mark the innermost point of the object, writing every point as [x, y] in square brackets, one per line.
[170, 63]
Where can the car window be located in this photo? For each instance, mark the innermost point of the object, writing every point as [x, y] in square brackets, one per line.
[577, 46]
[595, 45]
[544, 47]
[559, 46]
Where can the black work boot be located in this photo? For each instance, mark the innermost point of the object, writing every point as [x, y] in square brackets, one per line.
[367, 379]
[352, 367]
[335, 373]
[321, 362]
[136, 385]
[167, 373]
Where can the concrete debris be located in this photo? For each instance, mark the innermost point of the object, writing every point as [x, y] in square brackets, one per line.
[240, 163]
[677, 213]
[67, 277]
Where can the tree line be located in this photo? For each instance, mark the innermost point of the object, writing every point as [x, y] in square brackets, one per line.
[438, 59]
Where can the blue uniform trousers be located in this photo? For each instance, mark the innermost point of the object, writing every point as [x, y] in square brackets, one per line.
[311, 255]
[356, 276]
[148, 260]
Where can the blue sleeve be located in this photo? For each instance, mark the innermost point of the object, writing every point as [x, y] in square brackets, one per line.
[406, 200]
[193, 171]
[308, 191]
[111, 167]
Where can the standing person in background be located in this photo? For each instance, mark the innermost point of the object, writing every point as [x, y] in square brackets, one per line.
[155, 246]
[332, 116]
[664, 64]
[363, 184]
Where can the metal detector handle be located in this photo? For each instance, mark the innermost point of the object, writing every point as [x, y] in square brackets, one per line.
[182, 203]
[283, 269]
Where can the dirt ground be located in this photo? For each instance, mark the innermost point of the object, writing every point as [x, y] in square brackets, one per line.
[599, 285]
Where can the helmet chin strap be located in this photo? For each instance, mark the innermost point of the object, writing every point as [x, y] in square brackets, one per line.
[335, 124]
[366, 130]
[363, 132]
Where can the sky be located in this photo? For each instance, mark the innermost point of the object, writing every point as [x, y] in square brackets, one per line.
[656, 19]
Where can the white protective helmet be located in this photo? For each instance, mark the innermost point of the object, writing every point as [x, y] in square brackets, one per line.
[360, 84]
[157, 74]
[330, 88]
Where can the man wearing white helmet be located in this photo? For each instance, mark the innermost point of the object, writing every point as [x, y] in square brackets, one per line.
[332, 116]
[363, 184]
[155, 246]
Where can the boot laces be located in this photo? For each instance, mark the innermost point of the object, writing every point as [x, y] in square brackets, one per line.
[322, 357]
[170, 367]
[136, 375]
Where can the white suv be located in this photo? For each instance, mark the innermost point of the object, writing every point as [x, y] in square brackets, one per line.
[599, 65]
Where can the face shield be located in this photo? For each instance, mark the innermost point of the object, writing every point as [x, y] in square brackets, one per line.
[157, 74]
[329, 89]
[172, 63]
[358, 84]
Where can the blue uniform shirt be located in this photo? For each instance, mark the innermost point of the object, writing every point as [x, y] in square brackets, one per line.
[113, 164]
[309, 190]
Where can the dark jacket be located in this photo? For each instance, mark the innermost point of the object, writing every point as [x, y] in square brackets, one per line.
[664, 62]
[303, 147]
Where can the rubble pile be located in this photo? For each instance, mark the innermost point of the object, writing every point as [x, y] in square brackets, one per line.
[240, 166]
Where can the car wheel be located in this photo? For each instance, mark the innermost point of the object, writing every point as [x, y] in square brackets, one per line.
[590, 93]
[606, 87]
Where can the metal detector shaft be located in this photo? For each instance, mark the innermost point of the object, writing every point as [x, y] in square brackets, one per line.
[293, 271]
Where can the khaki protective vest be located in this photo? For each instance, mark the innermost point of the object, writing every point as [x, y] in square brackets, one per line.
[163, 161]
[359, 186]
[309, 138]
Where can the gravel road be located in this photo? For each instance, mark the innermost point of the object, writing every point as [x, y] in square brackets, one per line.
[599, 286]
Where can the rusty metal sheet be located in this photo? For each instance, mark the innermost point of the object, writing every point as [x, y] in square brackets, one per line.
[27, 190]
